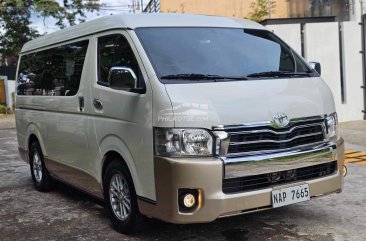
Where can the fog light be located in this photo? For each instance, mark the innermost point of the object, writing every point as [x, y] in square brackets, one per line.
[189, 200]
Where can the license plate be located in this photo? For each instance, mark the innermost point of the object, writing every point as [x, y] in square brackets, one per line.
[290, 195]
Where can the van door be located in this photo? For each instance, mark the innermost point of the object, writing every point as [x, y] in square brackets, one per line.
[68, 124]
[123, 119]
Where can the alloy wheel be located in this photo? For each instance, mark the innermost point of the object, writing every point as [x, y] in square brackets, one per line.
[37, 167]
[120, 198]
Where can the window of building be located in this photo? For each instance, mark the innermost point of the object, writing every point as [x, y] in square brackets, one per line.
[320, 8]
[52, 72]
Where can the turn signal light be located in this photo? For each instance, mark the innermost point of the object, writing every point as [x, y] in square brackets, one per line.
[344, 170]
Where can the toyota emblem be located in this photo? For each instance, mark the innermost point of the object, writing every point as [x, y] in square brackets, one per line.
[280, 120]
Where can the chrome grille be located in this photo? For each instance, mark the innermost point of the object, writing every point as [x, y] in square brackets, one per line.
[247, 139]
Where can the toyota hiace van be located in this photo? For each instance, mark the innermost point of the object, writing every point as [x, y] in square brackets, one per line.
[183, 118]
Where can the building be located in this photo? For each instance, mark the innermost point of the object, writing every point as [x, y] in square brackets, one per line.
[232, 8]
[7, 85]
[344, 10]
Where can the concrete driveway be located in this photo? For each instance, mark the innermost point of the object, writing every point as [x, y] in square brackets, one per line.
[66, 214]
[354, 133]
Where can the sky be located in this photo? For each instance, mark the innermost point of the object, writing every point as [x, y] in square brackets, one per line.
[109, 7]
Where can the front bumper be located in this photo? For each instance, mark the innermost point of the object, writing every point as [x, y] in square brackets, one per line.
[206, 174]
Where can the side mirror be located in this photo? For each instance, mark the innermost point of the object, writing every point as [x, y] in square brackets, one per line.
[122, 78]
[316, 66]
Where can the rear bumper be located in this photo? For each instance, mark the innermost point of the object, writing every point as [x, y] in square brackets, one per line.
[206, 174]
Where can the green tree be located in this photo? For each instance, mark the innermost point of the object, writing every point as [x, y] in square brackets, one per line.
[261, 9]
[15, 18]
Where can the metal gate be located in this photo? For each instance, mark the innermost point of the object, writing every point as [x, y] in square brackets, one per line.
[2, 92]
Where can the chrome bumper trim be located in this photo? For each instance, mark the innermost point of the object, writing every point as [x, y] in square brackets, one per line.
[276, 162]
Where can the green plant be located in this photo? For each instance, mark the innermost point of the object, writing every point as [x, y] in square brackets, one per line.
[16, 21]
[261, 9]
[3, 108]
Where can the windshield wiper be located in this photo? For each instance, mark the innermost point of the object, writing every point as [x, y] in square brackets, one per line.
[201, 77]
[279, 74]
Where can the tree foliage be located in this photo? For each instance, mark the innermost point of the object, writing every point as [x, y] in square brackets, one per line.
[15, 18]
[261, 9]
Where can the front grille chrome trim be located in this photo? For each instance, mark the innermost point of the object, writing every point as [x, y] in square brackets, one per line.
[255, 138]
[274, 141]
[264, 152]
[267, 123]
[275, 132]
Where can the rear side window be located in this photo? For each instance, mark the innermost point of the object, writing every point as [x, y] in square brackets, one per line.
[52, 72]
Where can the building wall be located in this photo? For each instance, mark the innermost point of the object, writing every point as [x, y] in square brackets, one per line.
[343, 10]
[7, 89]
[10, 91]
[291, 33]
[231, 8]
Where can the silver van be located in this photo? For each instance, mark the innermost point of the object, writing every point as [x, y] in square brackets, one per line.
[183, 118]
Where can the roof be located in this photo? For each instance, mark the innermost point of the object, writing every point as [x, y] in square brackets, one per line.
[132, 21]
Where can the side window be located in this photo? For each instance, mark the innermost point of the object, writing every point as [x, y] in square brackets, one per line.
[115, 51]
[287, 62]
[52, 72]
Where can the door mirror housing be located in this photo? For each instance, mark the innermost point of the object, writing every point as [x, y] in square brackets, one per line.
[122, 78]
[316, 66]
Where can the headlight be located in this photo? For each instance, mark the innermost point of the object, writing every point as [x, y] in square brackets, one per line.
[331, 123]
[182, 142]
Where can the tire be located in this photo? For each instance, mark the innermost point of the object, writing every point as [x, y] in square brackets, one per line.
[42, 180]
[121, 199]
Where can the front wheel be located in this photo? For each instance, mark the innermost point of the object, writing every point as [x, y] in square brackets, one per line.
[120, 198]
[41, 178]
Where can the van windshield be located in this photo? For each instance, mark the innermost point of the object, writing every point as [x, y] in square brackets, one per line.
[194, 54]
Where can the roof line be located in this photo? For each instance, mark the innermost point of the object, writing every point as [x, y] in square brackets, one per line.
[70, 39]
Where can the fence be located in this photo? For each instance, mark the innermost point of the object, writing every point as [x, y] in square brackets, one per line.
[337, 46]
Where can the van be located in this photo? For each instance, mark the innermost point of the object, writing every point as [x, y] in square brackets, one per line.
[183, 118]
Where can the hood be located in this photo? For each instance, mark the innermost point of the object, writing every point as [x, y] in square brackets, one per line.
[204, 105]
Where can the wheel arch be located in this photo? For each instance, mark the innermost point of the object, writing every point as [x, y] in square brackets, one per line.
[108, 158]
[33, 134]
[112, 147]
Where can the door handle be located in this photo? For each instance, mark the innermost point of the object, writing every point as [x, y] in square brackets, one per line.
[98, 104]
[81, 103]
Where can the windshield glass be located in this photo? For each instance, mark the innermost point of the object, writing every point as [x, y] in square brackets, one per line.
[180, 53]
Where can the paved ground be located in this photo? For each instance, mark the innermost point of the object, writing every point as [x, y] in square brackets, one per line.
[7, 121]
[354, 133]
[66, 214]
